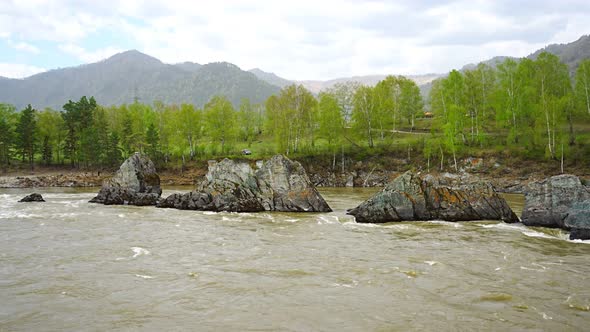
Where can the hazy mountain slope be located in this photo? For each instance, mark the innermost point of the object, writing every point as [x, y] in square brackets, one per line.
[220, 78]
[316, 86]
[493, 62]
[188, 66]
[571, 53]
[271, 78]
[132, 74]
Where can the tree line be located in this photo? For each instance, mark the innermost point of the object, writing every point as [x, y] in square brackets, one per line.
[528, 107]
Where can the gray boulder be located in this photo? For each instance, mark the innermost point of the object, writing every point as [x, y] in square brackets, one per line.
[228, 186]
[285, 186]
[411, 197]
[560, 201]
[279, 185]
[135, 183]
[34, 197]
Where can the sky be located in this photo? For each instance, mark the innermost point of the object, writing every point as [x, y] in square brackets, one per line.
[301, 40]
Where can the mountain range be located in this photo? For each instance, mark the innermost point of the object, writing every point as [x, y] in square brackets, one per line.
[132, 75]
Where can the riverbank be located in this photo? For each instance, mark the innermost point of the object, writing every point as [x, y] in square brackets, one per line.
[507, 175]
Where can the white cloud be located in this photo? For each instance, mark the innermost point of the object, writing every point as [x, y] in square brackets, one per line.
[17, 70]
[22, 46]
[306, 39]
[89, 56]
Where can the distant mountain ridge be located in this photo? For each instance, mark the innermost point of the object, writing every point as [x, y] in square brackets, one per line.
[271, 78]
[570, 53]
[316, 86]
[132, 75]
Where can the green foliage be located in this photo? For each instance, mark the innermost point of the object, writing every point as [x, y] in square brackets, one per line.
[78, 118]
[291, 118]
[331, 121]
[26, 131]
[113, 151]
[221, 122]
[365, 113]
[248, 121]
[52, 128]
[7, 133]
[153, 142]
[47, 154]
[583, 87]
[528, 108]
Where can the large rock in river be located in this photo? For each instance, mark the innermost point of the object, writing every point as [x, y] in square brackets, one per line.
[560, 201]
[228, 186]
[135, 183]
[34, 197]
[279, 185]
[285, 186]
[410, 198]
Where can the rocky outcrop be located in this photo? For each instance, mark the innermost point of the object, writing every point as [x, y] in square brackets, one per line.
[34, 197]
[285, 186]
[228, 186]
[561, 201]
[411, 197]
[278, 185]
[135, 183]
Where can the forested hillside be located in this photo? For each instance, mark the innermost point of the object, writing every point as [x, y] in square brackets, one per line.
[530, 109]
[129, 76]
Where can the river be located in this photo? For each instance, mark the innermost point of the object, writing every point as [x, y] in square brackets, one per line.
[70, 265]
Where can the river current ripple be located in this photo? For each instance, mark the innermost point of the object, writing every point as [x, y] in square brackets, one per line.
[70, 265]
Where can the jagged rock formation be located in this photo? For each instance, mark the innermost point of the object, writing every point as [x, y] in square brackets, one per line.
[34, 197]
[228, 186]
[135, 183]
[285, 186]
[279, 185]
[410, 198]
[560, 201]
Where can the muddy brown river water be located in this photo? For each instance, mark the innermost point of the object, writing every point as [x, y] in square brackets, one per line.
[67, 265]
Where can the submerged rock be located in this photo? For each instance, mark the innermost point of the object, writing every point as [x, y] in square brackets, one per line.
[135, 183]
[279, 185]
[34, 197]
[560, 201]
[410, 198]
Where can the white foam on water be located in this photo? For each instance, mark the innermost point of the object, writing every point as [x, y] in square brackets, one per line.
[431, 263]
[207, 213]
[530, 269]
[144, 276]
[328, 220]
[342, 285]
[138, 251]
[353, 285]
[291, 220]
[502, 226]
[447, 223]
[532, 233]
[579, 241]
[398, 226]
